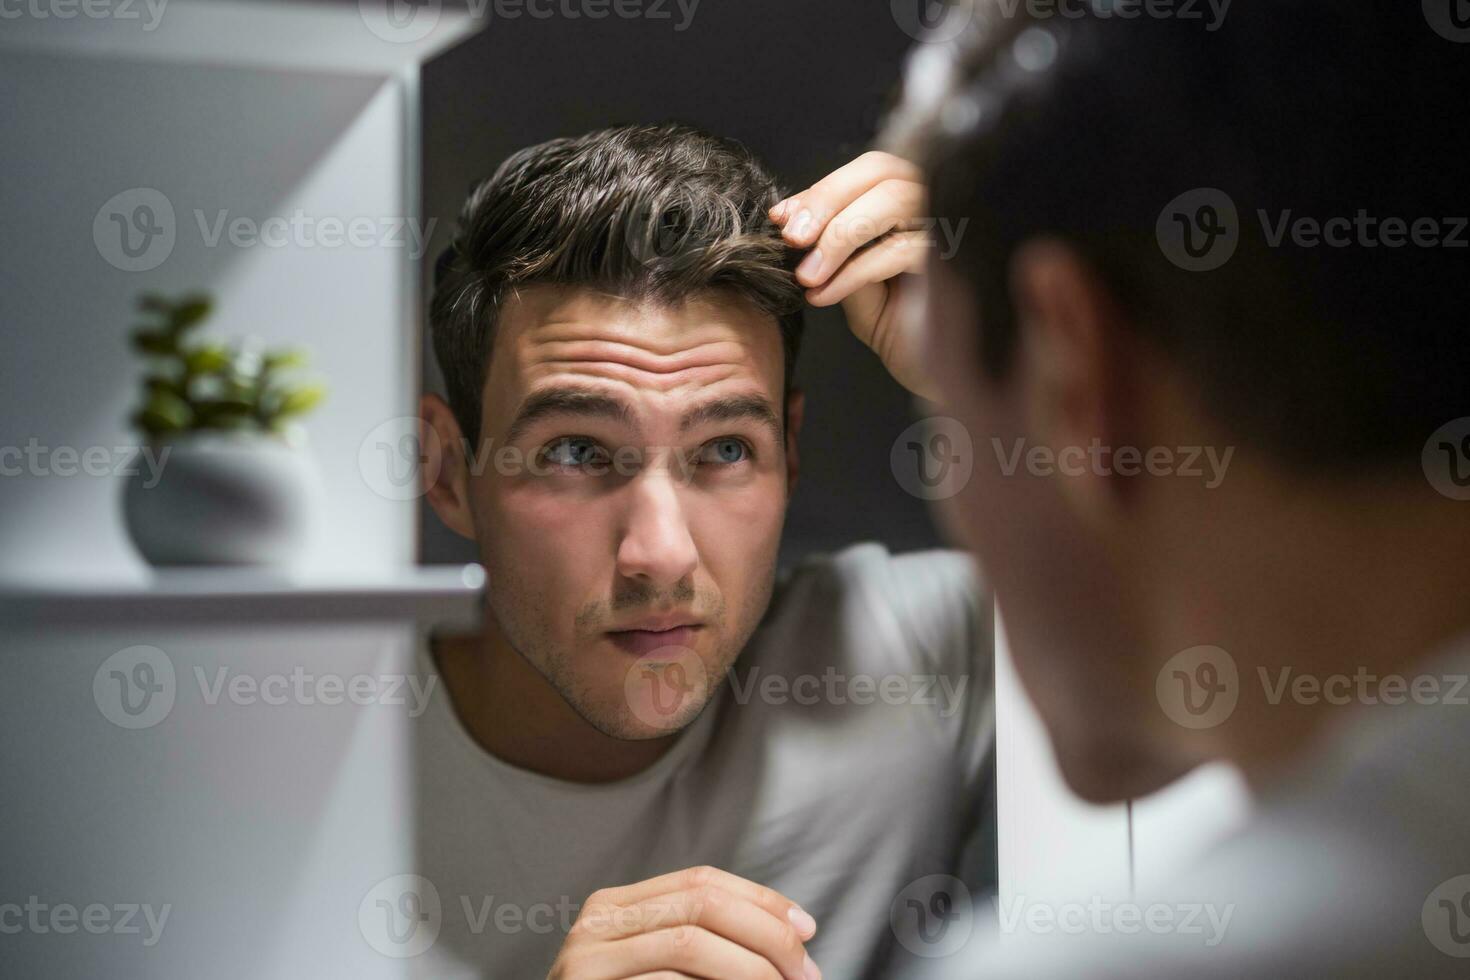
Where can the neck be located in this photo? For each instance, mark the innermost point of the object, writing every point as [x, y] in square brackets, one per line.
[516, 715]
[1329, 589]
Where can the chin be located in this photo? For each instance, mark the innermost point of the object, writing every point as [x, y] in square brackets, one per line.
[630, 716]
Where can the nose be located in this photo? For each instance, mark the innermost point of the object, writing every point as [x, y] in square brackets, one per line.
[656, 546]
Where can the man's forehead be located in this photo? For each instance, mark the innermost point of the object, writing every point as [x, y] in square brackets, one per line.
[546, 333]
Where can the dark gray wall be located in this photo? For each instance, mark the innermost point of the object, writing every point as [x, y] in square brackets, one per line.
[800, 82]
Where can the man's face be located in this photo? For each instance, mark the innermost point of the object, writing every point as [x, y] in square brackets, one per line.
[631, 521]
[1067, 593]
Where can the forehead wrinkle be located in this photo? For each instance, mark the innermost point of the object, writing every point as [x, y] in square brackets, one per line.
[707, 364]
[638, 380]
[646, 355]
[641, 355]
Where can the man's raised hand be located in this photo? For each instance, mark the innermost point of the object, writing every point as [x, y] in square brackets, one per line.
[863, 227]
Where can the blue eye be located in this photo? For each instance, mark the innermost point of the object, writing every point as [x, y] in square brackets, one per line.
[724, 451]
[571, 451]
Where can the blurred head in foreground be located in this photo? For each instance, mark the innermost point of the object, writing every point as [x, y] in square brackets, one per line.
[1206, 328]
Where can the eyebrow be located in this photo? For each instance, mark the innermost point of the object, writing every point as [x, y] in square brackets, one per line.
[588, 403]
[734, 408]
[566, 401]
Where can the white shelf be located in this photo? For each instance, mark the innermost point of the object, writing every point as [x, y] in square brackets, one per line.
[444, 594]
[345, 37]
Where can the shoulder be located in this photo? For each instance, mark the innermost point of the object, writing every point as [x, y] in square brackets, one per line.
[920, 609]
[859, 568]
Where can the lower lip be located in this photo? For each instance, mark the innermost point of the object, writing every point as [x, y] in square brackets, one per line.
[640, 642]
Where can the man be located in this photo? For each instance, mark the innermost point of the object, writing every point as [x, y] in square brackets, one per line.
[659, 758]
[1250, 240]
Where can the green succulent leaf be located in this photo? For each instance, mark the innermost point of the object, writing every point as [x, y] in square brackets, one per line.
[165, 385]
[154, 342]
[209, 359]
[165, 412]
[211, 385]
[300, 400]
[224, 414]
[283, 359]
[189, 312]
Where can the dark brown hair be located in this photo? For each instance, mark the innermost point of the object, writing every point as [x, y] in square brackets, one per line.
[651, 213]
[1084, 129]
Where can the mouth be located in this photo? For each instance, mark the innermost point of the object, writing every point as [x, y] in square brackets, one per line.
[647, 639]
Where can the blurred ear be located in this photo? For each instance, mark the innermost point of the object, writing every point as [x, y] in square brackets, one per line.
[1076, 370]
[444, 469]
[795, 408]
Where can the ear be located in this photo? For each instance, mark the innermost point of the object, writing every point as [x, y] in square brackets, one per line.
[445, 471]
[1075, 368]
[795, 407]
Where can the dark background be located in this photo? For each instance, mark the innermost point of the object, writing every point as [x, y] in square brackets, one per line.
[801, 83]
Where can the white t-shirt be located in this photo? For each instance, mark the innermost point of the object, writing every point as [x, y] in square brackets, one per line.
[1355, 866]
[838, 804]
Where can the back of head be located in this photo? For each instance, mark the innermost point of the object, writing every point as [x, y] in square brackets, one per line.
[646, 212]
[1274, 192]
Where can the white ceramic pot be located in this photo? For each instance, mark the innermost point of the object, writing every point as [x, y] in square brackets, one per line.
[222, 499]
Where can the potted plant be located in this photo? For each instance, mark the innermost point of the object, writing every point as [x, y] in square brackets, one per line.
[228, 480]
